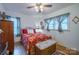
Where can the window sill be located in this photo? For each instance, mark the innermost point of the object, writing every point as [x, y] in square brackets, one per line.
[57, 30]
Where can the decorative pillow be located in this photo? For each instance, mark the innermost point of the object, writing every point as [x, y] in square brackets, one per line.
[24, 31]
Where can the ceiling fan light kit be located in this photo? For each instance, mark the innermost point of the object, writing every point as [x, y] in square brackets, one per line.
[39, 7]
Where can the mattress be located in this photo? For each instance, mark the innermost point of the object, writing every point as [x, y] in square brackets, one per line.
[45, 44]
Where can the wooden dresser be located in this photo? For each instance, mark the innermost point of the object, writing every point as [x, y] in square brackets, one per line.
[7, 35]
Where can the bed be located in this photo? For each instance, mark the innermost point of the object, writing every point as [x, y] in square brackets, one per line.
[30, 40]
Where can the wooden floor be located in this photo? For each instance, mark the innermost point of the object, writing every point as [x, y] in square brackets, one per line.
[19, 49]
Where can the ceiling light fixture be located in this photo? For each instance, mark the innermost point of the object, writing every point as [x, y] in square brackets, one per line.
[39, 7]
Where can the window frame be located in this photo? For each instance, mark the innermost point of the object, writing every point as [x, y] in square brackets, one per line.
[68, 22]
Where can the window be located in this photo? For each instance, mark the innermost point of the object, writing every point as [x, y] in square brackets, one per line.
[51, 25]
[16, 21]
[57, 23]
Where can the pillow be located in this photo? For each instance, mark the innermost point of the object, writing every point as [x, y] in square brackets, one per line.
[30, 30]
[24, 31]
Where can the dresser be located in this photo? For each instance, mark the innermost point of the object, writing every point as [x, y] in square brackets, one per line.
[7, 35]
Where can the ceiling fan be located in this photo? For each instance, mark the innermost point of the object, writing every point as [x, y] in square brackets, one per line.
[39, 6]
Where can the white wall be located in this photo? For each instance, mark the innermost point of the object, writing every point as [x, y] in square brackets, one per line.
[15, 14]
[26, 20]
[31, 21]
[68, 38]
[1, 8]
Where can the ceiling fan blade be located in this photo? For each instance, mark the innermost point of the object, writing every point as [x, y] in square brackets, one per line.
[48, 5]
[30, 6]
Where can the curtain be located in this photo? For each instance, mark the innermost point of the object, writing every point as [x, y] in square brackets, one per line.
[16, 21]
[59, 24]
[60, 20]
[48, 22]
[18, 26]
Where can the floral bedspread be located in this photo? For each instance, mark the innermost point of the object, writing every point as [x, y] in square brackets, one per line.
[31, 39]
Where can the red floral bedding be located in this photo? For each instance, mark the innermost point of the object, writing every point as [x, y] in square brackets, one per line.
[29, 40]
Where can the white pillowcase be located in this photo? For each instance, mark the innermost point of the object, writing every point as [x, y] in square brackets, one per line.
[30, 30]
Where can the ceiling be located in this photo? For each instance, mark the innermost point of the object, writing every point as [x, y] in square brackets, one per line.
[21, 8]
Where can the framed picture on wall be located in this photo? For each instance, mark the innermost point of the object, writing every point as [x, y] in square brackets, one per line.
[75, 19]
[42, 25]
